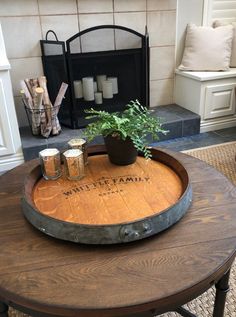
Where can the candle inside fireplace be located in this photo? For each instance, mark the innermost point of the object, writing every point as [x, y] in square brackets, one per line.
[88, 88]
[107, 89]
[100, 80]
[95, 86]
[78, 89]
[114, 84]
[98, 98]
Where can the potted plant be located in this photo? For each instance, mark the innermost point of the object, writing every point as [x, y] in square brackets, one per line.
[125, 133]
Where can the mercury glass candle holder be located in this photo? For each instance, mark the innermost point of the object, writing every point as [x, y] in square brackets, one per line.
[73, 164]
[50, 163]
[81, 145]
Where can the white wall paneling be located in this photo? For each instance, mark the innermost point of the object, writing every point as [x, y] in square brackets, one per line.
[188, 11]
[6, 138]
[209, 94]
[223, 10]
[10, 144]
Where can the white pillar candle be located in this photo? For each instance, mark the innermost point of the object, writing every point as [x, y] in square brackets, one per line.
[95, 86]
[107, 89]
[98, 98]
[78, 89]
[100, 79]
[114, 84]
[88, 90]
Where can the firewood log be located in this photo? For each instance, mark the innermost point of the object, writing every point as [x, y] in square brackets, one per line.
[39, 98]
[56, 128]
[28, 100]
[27, 82]
[60, 95]
[47, 120]
[27, 94]
[43, 114]
[43, 84]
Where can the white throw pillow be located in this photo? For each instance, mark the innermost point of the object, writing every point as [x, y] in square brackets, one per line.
[233, 52]
[207, 48]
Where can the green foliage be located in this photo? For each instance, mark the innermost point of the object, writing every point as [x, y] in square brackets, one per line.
[134, 122]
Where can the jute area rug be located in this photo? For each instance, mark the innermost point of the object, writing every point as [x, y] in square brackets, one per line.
[222, 157]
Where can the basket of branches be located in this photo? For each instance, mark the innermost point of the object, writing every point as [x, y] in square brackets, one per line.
[42, 114]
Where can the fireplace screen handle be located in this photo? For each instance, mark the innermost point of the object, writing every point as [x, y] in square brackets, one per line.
[51, 31]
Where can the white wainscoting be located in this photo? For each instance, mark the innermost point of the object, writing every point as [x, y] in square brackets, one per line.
[10, 144]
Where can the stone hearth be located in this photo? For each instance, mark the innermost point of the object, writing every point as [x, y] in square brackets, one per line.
[179, 121]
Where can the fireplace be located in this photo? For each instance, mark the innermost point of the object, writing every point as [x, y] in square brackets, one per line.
[105, 66]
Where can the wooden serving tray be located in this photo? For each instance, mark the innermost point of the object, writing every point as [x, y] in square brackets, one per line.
[111, 204]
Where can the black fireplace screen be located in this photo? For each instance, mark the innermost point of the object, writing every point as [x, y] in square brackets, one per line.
[105, 66]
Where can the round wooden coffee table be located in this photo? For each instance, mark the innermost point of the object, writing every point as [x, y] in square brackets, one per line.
[44, 276]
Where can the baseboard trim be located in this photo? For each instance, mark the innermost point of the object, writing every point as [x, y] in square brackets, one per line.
[212, 126]
[9, 162]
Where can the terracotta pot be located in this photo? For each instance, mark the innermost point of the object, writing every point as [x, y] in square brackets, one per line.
[120, 152]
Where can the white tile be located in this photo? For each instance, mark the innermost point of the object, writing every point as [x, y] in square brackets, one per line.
[64, 26]
[161, 4]
[161, 27]
[129, 5]
[24, 68]
[21, 35]
[92, 6]
[63, 31]
[21, 7]
[162, 62]
[57, 7]
[161, 92]
[20, 113]
[98, 40]
[88, 20]
[132, 20]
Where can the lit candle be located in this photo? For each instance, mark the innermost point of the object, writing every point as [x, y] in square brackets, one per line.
[88, 89]
[98, 98]
[78, 89]
[114, 84]
[107, 89]
[50, 163]
[73, 164]
[100, 80]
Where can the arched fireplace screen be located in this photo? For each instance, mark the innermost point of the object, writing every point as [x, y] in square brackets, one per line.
[105, 66]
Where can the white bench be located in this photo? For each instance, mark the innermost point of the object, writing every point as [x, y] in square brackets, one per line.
[209, 94]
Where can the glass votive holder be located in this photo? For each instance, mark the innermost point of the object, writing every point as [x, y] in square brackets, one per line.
[50, 163]
[73, 164]
[81, 145]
